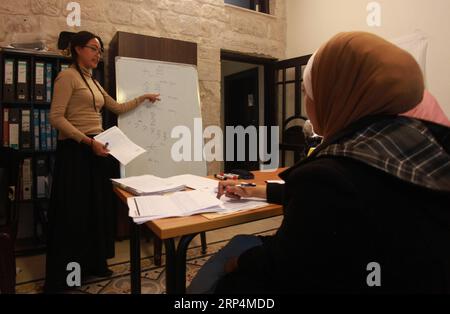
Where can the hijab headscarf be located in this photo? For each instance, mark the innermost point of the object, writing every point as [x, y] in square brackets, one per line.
[359, 74]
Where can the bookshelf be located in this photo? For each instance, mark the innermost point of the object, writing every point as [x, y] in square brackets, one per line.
[26, 102]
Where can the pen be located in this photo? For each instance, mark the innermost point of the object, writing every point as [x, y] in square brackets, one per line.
[231, 176]
[247, 185]
[106, 145]
[220, 176]
[137, 207]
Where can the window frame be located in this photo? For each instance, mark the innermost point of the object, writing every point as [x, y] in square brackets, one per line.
[264, 6]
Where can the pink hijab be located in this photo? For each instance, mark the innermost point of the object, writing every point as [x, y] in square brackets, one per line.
[429, 110]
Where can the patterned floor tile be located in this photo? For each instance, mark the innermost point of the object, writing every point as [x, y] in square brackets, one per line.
[152, 276]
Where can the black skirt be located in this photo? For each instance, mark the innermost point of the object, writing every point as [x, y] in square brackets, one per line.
[82, 213]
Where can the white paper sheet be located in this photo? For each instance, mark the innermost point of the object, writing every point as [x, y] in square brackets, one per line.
[172, 205]
[189, 203]
[147, 184]
[119, 145]
[194, 182]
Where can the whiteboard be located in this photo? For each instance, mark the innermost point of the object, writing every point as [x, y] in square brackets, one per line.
[150, 125]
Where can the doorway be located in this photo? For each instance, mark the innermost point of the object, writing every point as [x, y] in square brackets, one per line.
[241, 108]
[244, 102]
[279, 102]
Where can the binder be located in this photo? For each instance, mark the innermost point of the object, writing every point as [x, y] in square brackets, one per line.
[9, 81]
[42, 130]
[48, 81]
[36, 127]
[64, 66]
[39, 82]
[25, 134]
[51, 169]
[5, 127]
[27, 179]
[48, 130]
[42, 190]
[54, 138]
[22, 80]
[14, 122]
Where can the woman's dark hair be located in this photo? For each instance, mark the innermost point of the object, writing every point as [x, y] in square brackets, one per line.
[81, 39]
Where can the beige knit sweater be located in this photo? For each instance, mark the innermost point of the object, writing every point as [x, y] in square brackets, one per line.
[72, 110]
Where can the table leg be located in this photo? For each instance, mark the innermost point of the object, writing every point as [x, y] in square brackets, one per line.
[157, 250]
[176, 264]
[135, 257]
[203, 240]
[170, 266]
[183, 245]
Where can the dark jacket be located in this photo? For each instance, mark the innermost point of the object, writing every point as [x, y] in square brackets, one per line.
[340, 215]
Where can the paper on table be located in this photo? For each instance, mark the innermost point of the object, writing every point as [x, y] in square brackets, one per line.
[230, 206]
[172, 205]
[119, 145]
[147, 184]
[194, 182]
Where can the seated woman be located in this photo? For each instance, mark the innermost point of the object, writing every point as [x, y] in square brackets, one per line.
[377, 190]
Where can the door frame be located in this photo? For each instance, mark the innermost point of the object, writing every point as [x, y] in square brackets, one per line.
[269, 77]
[254, 72]
[270, 109]
[272, 66]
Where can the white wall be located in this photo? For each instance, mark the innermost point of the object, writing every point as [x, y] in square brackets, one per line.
[312, 22]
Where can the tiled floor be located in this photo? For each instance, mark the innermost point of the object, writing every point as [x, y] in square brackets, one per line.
[33, 268]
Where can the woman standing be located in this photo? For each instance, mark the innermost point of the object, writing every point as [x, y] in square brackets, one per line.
[81, 219]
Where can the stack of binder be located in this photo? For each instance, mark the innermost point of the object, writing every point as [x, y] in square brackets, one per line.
[28, 129]
[17, 81]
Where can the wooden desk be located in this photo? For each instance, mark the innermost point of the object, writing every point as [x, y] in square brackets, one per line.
[187, 228]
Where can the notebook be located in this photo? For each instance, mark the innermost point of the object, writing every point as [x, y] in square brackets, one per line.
[147, 184]
[177, 204]
[188, 203]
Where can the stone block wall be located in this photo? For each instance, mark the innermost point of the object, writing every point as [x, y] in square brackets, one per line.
[210, 23]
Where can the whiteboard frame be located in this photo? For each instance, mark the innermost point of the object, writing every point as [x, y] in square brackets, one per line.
[119, 58]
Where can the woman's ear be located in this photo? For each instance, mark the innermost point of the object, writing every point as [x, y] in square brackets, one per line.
[78, 50]
[311, 112]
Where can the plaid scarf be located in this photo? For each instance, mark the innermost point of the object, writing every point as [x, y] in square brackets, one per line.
[402, 147]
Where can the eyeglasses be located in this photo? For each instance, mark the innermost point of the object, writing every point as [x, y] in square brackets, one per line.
[95, 49]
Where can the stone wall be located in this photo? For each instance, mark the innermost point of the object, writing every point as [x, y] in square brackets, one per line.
[210, 23]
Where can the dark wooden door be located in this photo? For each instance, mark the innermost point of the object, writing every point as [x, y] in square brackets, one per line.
[242, 109]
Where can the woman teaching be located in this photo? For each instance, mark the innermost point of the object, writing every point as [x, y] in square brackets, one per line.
[81, 216]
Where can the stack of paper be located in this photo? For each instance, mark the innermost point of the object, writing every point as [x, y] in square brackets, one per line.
[150, 204]
[147, 184]
[178, 204]
[193, 181]
[230, 206]
[188, 203]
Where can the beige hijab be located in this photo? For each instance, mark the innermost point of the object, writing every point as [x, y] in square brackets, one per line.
[358, 74]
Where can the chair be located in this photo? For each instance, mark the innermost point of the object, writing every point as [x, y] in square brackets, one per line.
[293, 139]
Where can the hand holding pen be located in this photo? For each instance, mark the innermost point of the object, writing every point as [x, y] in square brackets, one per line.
[99, 149]
[238, 190]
